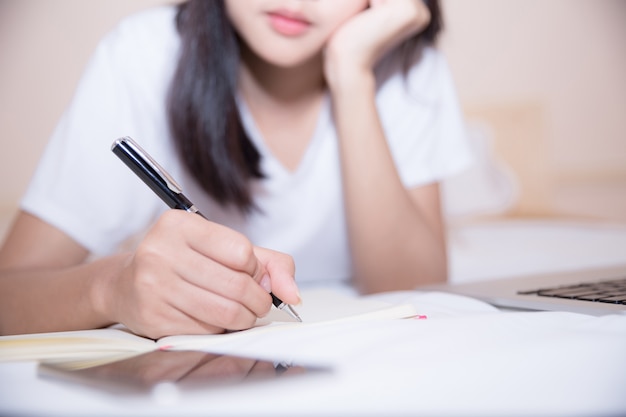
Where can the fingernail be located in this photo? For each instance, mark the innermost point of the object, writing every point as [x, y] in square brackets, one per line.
[266, 283]
[297, 291]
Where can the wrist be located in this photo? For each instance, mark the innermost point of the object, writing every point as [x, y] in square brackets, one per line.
[344, 70]
[103, 286]
[350, 81]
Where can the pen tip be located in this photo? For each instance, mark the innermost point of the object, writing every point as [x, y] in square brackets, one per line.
[292, 313]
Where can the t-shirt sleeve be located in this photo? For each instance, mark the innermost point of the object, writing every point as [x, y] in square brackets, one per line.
[424, 123]
[80, 186]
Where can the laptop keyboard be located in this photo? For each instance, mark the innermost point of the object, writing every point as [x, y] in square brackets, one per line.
[610, 291]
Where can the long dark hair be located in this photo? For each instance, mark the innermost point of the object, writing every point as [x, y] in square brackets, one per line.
[203, 116]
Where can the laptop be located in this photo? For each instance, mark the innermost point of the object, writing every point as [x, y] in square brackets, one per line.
[594, 291]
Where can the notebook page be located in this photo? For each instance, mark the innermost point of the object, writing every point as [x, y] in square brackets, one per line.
[318, 308]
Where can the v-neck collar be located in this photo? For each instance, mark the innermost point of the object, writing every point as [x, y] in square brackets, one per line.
[271, 164]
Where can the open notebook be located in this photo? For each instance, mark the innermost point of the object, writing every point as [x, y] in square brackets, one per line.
[595, 291]
[87, 348]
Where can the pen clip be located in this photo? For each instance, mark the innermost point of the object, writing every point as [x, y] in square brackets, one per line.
[167, 179]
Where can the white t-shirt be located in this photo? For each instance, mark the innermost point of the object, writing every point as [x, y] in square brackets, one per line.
[85, 190]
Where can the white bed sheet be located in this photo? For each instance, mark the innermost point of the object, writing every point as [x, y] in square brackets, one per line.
[464, 359]
[505, 248]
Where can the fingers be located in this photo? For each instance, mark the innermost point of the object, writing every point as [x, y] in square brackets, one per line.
[410, 17]
[235, 260]
[209, 307]
[355, 47]
[214, 241]
[159, 319]
[177, 307]
[206, 275]
[281, 270]
[193, 276]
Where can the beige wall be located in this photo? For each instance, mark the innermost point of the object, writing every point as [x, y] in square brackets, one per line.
[44, 45]
[563, 64]
[548, 74]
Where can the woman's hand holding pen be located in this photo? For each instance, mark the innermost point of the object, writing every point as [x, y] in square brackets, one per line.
[364, 39]
[192, 276]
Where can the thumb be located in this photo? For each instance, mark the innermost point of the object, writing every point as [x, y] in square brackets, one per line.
[280, 270]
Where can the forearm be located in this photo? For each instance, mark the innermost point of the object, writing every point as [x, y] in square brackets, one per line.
[46, 300]
[394, 244]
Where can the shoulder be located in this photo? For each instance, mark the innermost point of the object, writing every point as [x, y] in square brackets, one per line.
[139, 54]
[143, 25]
[424, 80]
[148, 32]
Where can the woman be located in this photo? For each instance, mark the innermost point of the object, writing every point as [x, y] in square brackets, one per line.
[318, 129]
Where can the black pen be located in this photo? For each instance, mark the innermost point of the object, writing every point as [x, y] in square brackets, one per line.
[167, 189]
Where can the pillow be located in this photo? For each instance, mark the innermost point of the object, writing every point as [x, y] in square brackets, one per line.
[488, 187]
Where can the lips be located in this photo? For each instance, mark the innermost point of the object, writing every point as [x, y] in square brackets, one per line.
[288, 24]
